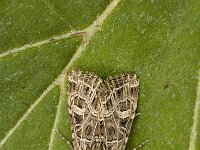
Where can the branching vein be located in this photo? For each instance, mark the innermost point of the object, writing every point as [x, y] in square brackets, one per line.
[90, 31]
[63, 92]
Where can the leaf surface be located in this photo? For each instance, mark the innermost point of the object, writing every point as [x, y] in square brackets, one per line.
[157, 40]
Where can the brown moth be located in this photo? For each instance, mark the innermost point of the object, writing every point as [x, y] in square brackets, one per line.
[101, 112]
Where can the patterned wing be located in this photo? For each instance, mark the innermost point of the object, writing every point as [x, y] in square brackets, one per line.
[84, 91]
[119, 109]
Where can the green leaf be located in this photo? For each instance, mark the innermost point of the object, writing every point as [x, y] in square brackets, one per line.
[41, 41]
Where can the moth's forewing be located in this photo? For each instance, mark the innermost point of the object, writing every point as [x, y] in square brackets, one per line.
[121, 104]
[83, 89]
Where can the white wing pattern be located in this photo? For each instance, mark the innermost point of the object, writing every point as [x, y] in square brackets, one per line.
[101, 112]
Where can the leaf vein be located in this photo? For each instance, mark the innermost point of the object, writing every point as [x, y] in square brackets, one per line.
[61, 82]
[40, 43]
[196, 117]
[53, 85]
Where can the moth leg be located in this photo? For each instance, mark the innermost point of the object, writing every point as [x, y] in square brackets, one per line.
[64, 139]
[141, 145]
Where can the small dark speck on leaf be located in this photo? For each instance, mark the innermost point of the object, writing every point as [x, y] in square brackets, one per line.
[166, 86]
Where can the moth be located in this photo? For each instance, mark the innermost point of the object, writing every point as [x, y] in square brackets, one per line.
[101, 111]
